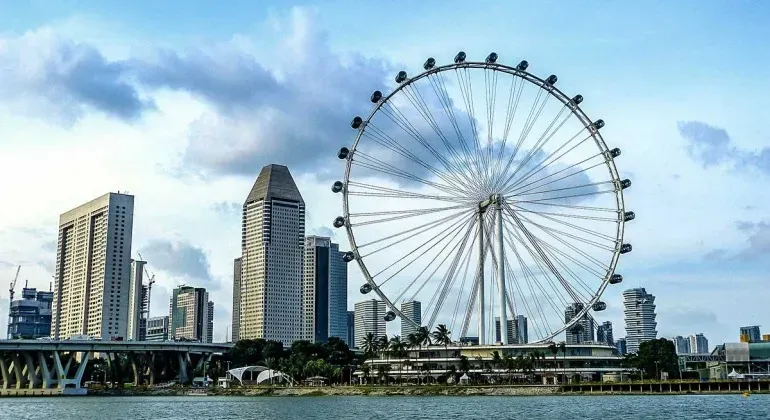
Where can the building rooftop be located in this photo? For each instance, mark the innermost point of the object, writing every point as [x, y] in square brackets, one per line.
[274, 181]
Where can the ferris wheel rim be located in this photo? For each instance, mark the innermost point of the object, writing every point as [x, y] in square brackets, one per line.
[574, 109]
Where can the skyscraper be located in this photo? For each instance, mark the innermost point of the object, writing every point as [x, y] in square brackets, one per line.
[370, 318]
[413, 311]
[272, 248]
[30, 316]
[137, 303]
[325, 290]
[351, 338]
[604, 333]
[640, 318]
[511, 331]
[699, 344]
[681, 344]
[210, 322]
[188, 314]
[157, 328]
[236, 319]
[93, 258]
[522, 330]
[620, 344]
[583, 330]
[750, 334]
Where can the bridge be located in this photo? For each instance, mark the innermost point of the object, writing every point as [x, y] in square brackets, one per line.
[48, 364]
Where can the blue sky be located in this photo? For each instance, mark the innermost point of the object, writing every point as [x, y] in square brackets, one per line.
[131, 96]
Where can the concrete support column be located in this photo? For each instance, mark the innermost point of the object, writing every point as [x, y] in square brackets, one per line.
[85, 357]
[4, 369]
[135, 366]
[17, 366]
[151, 368]
[31, 370]
[45, 373]
[183, 376]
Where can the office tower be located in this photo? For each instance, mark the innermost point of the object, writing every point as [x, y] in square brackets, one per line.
[640, 318]
[30, 316]
[750, 334]
[272, 248]
[236, 300]
[681, 344]
[583, 330]
[188, 314]
[620, 344]
[699, 344]
[522, 330]
[137, 303]
[370, 318]
[511, 331]
[157, 328]
[325, 290]
[412, 310]
[351, 338]
[210, 322]
[765, 337]
[604, 333]
[93, 258]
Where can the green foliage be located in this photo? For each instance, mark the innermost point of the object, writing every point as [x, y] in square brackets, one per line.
[655, 356]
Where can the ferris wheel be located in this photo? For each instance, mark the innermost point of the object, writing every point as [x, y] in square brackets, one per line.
[486, 194]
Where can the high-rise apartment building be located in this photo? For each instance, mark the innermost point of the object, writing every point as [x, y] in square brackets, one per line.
[236, 319]
[511, 331]
[351, 338]
[30, 316]
[370, 318]
[412, 310]
[137, 303]
[522, 330]
[640, 318]
[189, 314]
[620, 344]
[699, 344]
[93, 259]
[272, 249]
[681, 344]
[583, 330]
[750, 334]
[157, 328]
[604, 333]
[325, 291]
[210, 323]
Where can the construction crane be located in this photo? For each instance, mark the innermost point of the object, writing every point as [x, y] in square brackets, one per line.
[150, 282]
[13, 283]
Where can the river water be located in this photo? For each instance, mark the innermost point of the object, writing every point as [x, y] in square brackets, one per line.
[731, 407]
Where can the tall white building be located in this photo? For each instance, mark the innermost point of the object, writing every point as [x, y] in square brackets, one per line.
[681, 344]
[370, 318]
[236, 319]
[699, 344]
[640, 318]
[413, 311]
[189, 317]
[137, 303]
[92, 272]
[325, 291]
[272, 248]
[210, 322]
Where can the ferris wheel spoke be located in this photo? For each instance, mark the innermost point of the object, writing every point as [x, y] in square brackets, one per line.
[514, 96]
[572, 225]
[462, 284]
[490, 97]
[568, 206]
[571, 216]
[517, 189]
[401, 215]
[440, 296]
[575, 237]
[573, 187]
[412, 232]
[565, 197]
[371, 190]
[369, 162]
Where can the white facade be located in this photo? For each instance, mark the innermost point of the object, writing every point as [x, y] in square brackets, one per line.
[93, 257]
[272, 249]
[640, 318]
[413, 311]
[370, 318]
[137, 302]
[681, 344]
[324, 291]
[699, 344]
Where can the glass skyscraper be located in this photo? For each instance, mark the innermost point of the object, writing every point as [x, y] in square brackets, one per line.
[324, 291]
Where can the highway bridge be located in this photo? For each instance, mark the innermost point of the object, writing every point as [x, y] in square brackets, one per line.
[48, 364]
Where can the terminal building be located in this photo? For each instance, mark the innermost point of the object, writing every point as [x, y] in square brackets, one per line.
[30, 316]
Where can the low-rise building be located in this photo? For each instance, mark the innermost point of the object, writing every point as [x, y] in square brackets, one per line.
[30, 316]
[157, 328]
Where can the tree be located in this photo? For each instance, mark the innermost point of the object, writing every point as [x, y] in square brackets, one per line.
[369, 345]
[423, 335]
[443, 336]
[656, 356]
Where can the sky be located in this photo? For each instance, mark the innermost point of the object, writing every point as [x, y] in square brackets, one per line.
[182, 104]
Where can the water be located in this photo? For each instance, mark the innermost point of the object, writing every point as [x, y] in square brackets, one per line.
[733, 407]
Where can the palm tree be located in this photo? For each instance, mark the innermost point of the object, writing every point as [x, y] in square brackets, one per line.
[563, 349]
[415, 342]
[397, 347]
[465, 366]
[423, 335]
[442, 335]
[382, 346]
[496, 360]
[369, 345]
[365, 370]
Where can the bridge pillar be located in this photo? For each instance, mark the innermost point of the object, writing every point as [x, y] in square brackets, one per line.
[150, 373]
[31, 371]
[63, 371]
[16, 366]
[4, 369]
[183, 376]
[45, 373]
[136, 367]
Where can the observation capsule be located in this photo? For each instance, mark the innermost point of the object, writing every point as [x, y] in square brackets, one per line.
[337, 186]
[343, 153]
[599, 306]
[389, 316]
[629, 216]
[429, 63]
[356, 123]
[551, 80]
[348, 256]
[616, 278]
[522, 65]
[598, 124]
[577, 99]
[625, 248]
[400, 77]
[615, 152]
[339, 222]
[376, 96]
[491, 58]
[365, 288]
[460, 57]
[625, 183]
